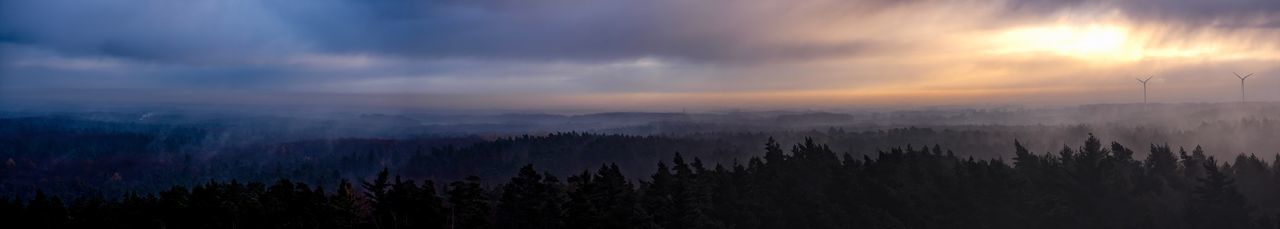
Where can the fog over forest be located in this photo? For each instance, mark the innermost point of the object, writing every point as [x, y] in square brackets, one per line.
[121, 151]
[640, 114]
[42, 142]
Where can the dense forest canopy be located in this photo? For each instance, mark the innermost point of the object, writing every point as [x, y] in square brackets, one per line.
[180, 170]
[115, 152]
[616, 114]
[1090, 186]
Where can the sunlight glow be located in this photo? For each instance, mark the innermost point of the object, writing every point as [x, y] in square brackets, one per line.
[1109, 44]
[1091, 41]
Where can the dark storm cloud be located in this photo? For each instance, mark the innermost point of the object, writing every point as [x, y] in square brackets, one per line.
[565, 47]
[213, 32]
[191, 32]
[1224, 13]
[1189, 13]
[562, 29]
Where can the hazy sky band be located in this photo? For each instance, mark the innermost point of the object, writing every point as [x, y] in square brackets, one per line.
[586, 53]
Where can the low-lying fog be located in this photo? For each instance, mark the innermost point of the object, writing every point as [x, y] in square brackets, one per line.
[148, 149]
[1222, 128]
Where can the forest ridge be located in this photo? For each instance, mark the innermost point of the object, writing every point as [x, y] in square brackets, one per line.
[645, 114]
[1092, 186]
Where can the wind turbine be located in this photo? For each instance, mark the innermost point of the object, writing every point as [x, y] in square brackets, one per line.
[1242, 78]
[1144, 87]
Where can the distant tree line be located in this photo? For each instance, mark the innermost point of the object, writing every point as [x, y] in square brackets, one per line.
[1093, 186]
[81, 156]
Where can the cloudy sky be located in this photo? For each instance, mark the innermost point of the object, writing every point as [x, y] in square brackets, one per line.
[636, 54]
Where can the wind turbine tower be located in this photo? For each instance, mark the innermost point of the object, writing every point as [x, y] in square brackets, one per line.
[1144, 88]
[1242, 78]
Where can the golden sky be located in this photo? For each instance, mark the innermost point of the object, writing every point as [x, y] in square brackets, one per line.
[630, 54]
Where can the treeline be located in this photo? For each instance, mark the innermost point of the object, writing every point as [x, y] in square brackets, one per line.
[74, 156]
[1093, 186]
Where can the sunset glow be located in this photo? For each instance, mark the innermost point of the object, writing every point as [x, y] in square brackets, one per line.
[563, 53]
[1088, 41]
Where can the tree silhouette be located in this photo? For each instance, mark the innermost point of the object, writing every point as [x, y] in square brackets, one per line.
[469, 208]
[531, 200]
[1095, 185]
[1216, 203]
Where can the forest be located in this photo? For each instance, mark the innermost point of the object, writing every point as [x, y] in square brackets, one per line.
[808, 186]
[815, 170]
[640, 114]
[114, 153]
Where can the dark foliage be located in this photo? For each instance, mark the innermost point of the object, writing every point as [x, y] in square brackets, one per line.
[88, 155]
[809, 186]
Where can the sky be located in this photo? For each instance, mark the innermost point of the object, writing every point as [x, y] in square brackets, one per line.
[637, 54]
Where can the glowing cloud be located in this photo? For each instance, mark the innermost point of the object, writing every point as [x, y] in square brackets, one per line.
[566, 53]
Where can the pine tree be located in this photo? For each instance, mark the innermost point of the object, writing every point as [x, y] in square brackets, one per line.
[690, 196]
[344, 207]
[531, 200]
[376, 192]
[773, 152]
[1216, 203]
[1163, 165]
[1193, 164]
[604, 200]
[414, 206]
[1023, 159]
[469, 208]
[658, 199]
